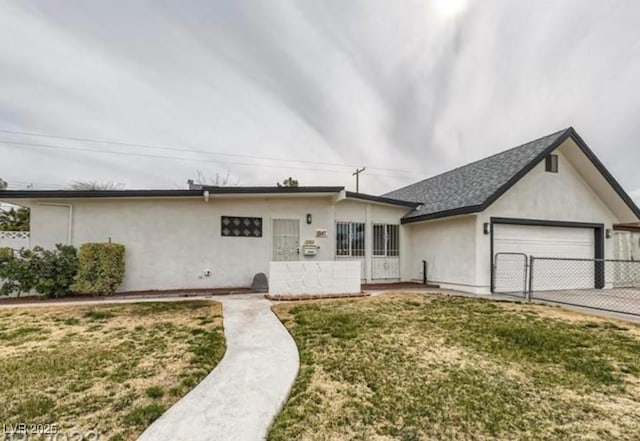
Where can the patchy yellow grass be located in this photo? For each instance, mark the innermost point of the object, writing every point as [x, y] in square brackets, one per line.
[417, 367]
[111, 369]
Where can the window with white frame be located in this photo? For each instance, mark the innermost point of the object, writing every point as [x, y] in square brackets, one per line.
[350, 239]
[386, 240]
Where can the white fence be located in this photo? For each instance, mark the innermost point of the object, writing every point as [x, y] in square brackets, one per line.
[14, 239]
[312, 278]
[626, 245]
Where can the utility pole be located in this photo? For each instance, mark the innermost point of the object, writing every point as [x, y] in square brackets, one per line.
[357, 175]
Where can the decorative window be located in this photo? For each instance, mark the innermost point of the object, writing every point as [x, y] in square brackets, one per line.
[551, 164]
[386, 240]
[350, 239]
[236, 226]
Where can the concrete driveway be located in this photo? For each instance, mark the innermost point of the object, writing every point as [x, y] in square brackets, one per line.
[239, 399]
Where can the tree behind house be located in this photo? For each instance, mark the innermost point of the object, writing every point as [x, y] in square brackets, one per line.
[95, 186]
[14, 219]
[289, 182]
[219, 180]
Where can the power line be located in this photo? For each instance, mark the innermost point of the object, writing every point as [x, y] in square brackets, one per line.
[189, 150]
[179, 158]
[27, 184]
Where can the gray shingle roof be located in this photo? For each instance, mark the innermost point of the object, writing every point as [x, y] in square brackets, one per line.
[474, 185]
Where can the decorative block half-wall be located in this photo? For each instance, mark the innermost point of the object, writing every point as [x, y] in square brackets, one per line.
[312, 278]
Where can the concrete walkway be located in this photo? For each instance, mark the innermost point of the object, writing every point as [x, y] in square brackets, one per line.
[239, 399]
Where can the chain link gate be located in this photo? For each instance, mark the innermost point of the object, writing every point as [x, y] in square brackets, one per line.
[510, 274]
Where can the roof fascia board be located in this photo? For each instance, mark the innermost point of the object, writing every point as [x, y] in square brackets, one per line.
[381, 200]
[271, 190]
[81, 194]
[442, 214]
[530, 166]
[213, 191]
[605, 173]
[569, 133]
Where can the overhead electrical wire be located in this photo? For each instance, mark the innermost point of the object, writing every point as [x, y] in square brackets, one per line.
[180, 158]
[189, 150]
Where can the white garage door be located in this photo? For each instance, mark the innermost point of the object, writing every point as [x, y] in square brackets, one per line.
[575, 243]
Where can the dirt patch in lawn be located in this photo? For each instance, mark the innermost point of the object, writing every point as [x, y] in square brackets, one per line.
[112, 369]
[415, 367]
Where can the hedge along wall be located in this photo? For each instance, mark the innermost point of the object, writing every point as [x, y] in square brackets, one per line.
[101, 268]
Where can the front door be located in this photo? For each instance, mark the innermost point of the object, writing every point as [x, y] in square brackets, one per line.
[385, 263]
[286, 240]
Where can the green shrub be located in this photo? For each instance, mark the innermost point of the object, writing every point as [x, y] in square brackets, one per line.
[55, 270]
[101, 268]
[48, 272]
[12, 273]
[5, 254]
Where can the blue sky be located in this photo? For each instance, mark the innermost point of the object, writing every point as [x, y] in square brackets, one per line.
[309, 89]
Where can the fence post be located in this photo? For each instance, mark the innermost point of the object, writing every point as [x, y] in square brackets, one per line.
[531, 260]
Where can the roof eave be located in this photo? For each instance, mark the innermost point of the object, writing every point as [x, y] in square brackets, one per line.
[524, 171]
[382, 200]
[86, 194]
[90, 194]
[271, 190]
[472, 209]
[582, 145]
[605, 173]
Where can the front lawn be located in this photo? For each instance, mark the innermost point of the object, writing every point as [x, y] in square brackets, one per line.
[412, 367]
[112, 369]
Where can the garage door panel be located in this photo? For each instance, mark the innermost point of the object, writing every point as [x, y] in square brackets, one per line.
[575, 243]
[558, 242]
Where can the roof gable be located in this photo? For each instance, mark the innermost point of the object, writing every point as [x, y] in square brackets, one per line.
[473, 187]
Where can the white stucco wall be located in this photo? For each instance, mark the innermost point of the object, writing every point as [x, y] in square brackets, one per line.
[361, 211]
[562, 196]
[312, 278]
[458, 252]
[449, 247]
[49, 225]
[171, 242]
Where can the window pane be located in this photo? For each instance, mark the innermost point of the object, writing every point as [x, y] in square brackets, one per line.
[350, 239]
[378, 240]
[238, 226]
[342, 239]
[357, 239]
[393, 241]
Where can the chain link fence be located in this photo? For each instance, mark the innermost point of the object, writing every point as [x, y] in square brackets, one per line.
[510, 274]
[610, 285]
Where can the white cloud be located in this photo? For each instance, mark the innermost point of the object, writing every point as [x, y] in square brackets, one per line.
[368, 82]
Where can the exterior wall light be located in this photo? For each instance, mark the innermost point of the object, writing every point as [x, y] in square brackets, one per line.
[608, 233]
[309, 218]
[487, 228]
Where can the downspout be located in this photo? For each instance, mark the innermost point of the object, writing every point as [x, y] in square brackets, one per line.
[70, 225]
[424, 272]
